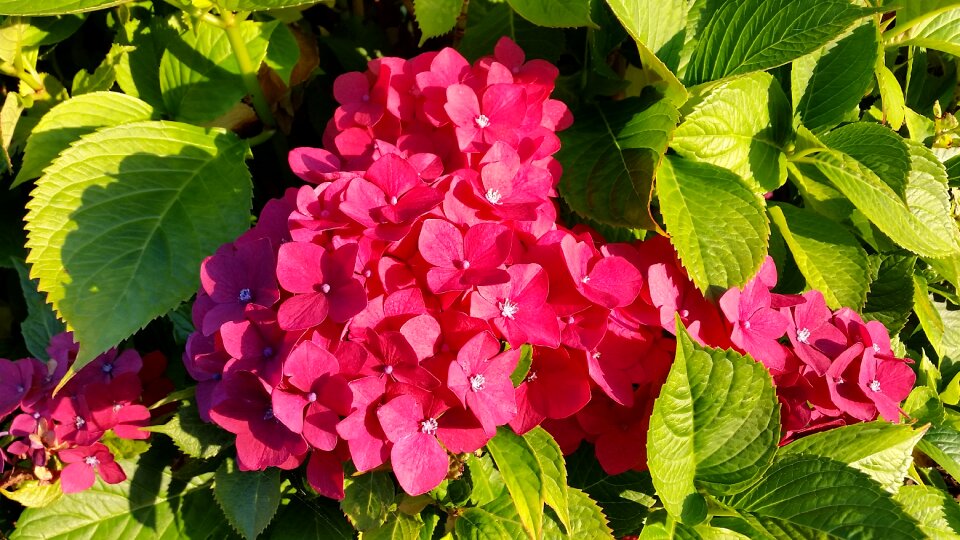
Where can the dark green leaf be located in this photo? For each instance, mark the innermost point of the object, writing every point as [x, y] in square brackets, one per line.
[367, 498]
[830, 82]
[753, 35]
[803, 496]
[488, 21]
[625, 498]
[828, 255]
[193, 436]
[890, 299]
[942, 444]
[116, 237]
[249, 499]
[554, 13]
[41, 324]
[399, 526]
[321, 520]
[610, 157]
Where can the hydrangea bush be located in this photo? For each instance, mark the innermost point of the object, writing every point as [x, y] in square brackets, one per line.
[628, 270]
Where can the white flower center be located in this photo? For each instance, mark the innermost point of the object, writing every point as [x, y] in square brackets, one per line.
[746, 325]
[875, 385]
[482, 121]
[585, 279]
[876, 348]
[79, 422]
[393, 199]
[493, 196]
[477, 382]
[508, 309]
[91, 461]
[532, 376]
[803, 335]
[388, 369]
[429, 426]
[325, 288]
[311, 397]
[596, 356]
[465, 264]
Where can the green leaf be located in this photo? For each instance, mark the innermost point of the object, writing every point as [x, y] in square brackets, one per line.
[878, 148]
[150, 504]
[249, 499]
[436, 17]
[24, 35]
[550, 456]
[283, 52]
[941, 32]
[940, 324]
[937, 512]
[479, 524]
[754, 35]
[830, 82]
[103, 77]
[489, 20]
[68, 121]
[662, 27]
[53, 7]
[137, 73]
[625, 498]
[716, 223]
[890, 299]
[554, 13]
[398, 527]
[199, 74]
[263, 5]
[742, 125]
[891, 96]
[881, 450]
[367, 498]
[193, 436]
[317, 519]
[942, 444]
[523, 365]
[610, 157]
[116, 237]
[32, 494]
[803, 496]
[922, 225]
[715, 425]
[827, 254]
[586, 519]
[523, 476]
[487, 482]
[41, 324]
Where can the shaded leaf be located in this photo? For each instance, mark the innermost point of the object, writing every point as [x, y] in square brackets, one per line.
[249, 499]
[115, 237]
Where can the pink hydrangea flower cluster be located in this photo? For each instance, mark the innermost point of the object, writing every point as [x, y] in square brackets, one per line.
[66, 429]
[378, 314]
[835, 369]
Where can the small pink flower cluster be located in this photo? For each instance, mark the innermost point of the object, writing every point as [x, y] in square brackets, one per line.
[378, 315]
[105, 395]
[836, 370]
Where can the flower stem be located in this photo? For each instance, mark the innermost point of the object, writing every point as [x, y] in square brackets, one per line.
[248, 71]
